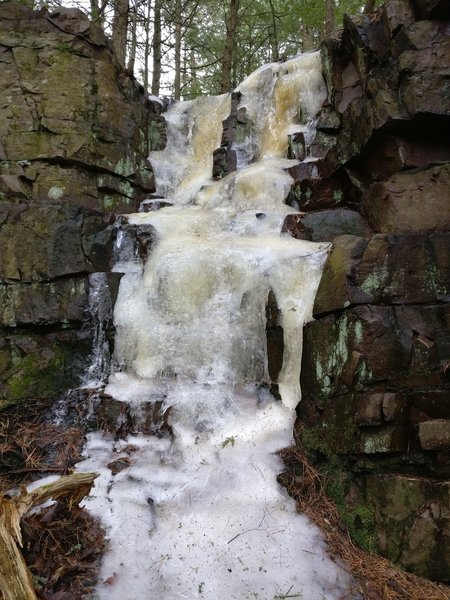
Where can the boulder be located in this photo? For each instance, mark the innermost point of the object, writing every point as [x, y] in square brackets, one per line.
[352, 351]
[376, 358]
[337, 289]
[423, 82]
[425, 405]
[326, 225]
[385, 270]
[404, 269]
[310, 192]
[40, 367]
[388, 152]
[435, 434]
[397, 14]
[434, 9]
[413, 518]
[410, 202]
[376, 362]
[61, 301]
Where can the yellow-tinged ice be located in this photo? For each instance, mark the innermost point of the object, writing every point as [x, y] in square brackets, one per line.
[199, 514]
[193, 135]
[280, 98]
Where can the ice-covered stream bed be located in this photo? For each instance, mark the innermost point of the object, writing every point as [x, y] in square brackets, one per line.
[197, 512]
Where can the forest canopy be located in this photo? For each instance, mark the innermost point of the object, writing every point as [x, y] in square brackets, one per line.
[186, 48]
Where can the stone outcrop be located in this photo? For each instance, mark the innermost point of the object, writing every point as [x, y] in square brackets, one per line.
[376, 363]
[75, 130]
[75, 133]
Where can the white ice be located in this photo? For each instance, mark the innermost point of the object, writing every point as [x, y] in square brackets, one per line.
[199, 512]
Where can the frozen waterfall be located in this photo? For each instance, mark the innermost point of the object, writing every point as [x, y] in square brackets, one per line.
[198, 512]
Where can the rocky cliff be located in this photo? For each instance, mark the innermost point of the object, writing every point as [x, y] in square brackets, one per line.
[75, 131]
[376, 365]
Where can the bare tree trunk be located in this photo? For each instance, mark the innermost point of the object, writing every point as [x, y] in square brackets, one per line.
[95, 10]
[369, 6]
[119, 30]
[156, 48]
[184, 68]
[101, 16]
[329, 18]
[231, 22]
[133, 28]
[274, 34]
[193, 71]
[147, 42]
[307, 38]
[177, 80]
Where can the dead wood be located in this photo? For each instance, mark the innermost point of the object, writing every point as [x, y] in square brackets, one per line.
[15, 579]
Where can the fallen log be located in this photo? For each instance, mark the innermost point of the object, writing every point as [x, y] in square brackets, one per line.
[15, 578]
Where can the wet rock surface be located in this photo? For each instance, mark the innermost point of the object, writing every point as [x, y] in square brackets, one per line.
[375, 374]
[76, 129]
[75, 133]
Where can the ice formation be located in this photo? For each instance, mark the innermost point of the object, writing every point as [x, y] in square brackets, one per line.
[199, 513]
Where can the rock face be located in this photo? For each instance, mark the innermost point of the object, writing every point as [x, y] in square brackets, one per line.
[75, 128]
[376, 363]
[75, 131]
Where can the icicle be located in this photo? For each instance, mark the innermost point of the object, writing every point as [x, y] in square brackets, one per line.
[101, 312]
[197, 512]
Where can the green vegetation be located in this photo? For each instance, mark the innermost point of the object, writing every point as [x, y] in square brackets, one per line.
[64, 46]
[154, 135]
[35, 376]
[357, 517]
[229, 441]
[288, 594]
[187, 48]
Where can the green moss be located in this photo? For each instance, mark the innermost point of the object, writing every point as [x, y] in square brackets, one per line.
[126, 188]
[330, 438]
[332, 356]
[296, 148]
[125, 166]
[63, 46]
[431, 282]
[307, 193]
[155, 139]
[296, 192]
[314, 442]
[322, 444]
[360, 522]
[337, 195]
[37, 375]
[109, 203]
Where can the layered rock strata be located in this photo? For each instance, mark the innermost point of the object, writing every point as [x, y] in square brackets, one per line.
[75, 133]
[376, 366]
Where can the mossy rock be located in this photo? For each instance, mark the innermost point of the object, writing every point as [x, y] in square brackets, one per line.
[35, 376]
[358, 517]
[413, 522]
